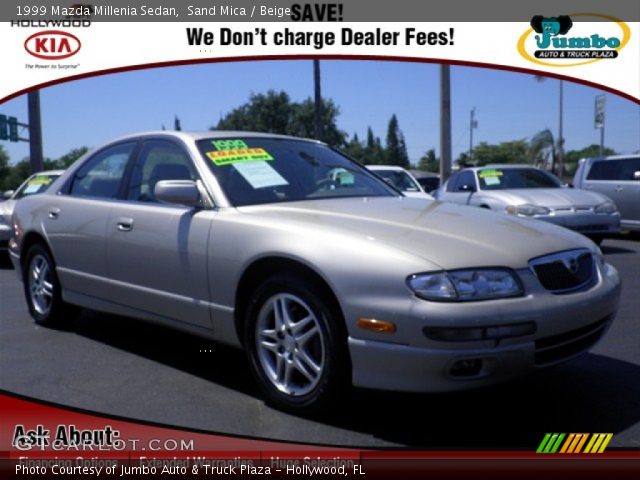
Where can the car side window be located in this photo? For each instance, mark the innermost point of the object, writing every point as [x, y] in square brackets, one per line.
[101, 175]
[466, 178]
[158, 160]
[452, 184]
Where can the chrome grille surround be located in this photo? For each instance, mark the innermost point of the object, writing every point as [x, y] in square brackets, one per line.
[565, 272]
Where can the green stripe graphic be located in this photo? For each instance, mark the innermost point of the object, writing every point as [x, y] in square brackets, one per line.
[551, 443]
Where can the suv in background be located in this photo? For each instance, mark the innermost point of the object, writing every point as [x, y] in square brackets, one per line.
[617, 177]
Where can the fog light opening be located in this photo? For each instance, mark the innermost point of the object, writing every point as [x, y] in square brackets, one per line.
[469, 367]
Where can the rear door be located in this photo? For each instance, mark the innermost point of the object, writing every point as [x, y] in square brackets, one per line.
[76, 220]
[616, 179]
[157, 253]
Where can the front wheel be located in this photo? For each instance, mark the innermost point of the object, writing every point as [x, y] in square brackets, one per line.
[42, 289]
[296, 345]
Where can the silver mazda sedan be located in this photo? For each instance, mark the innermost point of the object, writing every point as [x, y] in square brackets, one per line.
[325, 280]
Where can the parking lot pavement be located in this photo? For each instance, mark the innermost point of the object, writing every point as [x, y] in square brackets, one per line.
[123, 367]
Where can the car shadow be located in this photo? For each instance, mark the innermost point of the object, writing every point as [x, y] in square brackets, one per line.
[615, 250]
[593, 393]
[5, 262]
[171, 347]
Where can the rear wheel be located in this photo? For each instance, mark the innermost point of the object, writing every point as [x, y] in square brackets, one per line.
[42, 289]
[296, 345]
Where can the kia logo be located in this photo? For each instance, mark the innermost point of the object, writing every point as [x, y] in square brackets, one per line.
[52, 45]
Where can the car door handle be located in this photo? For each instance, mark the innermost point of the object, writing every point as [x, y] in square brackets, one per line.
[588, 187]
[53, 213]
[125, 224]
[618, 188]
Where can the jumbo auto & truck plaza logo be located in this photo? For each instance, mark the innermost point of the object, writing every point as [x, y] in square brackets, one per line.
[566, 40]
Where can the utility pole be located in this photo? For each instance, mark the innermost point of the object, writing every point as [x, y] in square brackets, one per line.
[445, 123]
[317, 100]
[35, 132]
[599, 119]
[472, 124]
[560, 137]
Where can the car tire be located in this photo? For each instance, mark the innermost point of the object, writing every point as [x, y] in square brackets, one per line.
[296, 344]
[42, 290]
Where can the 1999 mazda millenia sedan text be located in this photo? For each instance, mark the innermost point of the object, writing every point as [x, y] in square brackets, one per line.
[323, 279]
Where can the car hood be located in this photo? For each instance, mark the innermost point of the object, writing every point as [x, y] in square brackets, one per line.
[548, 197]
[447, 235]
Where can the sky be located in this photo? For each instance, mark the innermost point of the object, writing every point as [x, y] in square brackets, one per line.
[509, 105]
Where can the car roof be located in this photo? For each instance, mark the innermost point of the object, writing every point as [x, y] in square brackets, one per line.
[385, 167]
[503, 165]
[183, 135]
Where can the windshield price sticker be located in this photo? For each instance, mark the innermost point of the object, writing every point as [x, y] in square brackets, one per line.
[489, 173]
[228, 157]
[40, 181]
[229, 144]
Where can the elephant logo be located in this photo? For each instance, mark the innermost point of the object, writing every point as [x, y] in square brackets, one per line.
[550, 27]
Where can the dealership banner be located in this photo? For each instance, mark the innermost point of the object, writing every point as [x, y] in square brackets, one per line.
[46, 441]
[59, 41]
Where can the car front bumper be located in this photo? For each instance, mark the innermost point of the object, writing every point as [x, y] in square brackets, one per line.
[566, 326]
[586, 223]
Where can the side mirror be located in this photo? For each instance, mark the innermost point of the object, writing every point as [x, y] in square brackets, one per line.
[178, 192]
[636, 175]
[466, 188]
[8, 194]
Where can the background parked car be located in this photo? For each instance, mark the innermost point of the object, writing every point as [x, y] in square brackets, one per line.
[429, 181]
[618, 178]
[530, 192]
[36, 183]
[400, 179]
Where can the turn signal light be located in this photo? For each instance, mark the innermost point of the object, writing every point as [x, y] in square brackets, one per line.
[376, 325]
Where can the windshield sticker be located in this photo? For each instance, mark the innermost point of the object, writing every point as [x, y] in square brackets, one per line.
[260, 174]
[41, 180]
[35, 184]
[493, 180]
[489, 173]
[228, 157]
[229, 144]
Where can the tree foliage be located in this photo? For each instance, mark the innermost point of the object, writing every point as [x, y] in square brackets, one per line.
[274, 112]
[429, 161]
[515, 151]
[396, 148]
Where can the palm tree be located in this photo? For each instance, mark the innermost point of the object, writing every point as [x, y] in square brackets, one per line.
[541, 147]
[560, 140]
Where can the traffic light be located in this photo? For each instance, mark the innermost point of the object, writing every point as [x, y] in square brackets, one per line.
[13, 129]
[3, 128]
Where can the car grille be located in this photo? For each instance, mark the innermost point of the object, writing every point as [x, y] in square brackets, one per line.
[565, 272]
[566, 345]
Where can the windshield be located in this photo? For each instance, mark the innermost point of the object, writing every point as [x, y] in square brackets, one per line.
[399, 179]
[253, 171]
[36, 184]
[509, 178]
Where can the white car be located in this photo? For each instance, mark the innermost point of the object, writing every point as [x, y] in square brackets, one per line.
[401, 179]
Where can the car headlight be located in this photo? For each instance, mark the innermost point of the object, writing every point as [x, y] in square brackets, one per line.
[606, 207]
[465, 285]
[527, 210]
